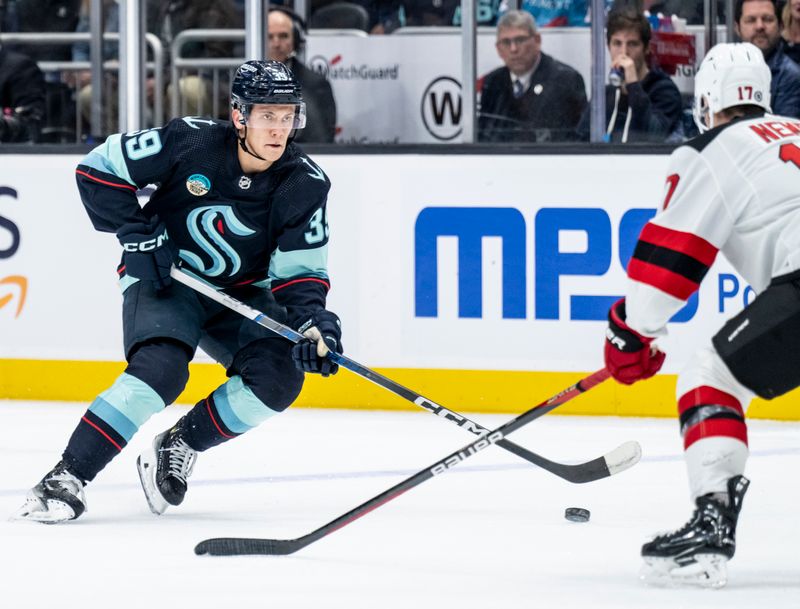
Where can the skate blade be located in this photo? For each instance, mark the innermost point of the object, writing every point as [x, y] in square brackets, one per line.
[50, 511]
[708, 571]
[146, 465]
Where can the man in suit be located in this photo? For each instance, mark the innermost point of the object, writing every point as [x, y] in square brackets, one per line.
[533, 97]
[286, 37]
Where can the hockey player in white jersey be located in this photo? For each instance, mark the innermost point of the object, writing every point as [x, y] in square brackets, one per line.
[733, 189]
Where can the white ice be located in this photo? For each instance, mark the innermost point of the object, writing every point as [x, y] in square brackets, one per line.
[489, 534]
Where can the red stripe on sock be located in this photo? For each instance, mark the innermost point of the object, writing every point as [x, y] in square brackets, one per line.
[707, 395]
[214, 421]
[730, 428]
[102, 433]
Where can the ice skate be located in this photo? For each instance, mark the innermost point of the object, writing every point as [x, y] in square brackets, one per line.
[164, 468]
[57, 498]
[697, 554]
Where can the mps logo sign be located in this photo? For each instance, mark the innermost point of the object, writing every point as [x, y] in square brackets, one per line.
[470, 225]
[441, 108]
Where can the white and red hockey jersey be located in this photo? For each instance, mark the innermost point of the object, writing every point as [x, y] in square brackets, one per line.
[735, 190]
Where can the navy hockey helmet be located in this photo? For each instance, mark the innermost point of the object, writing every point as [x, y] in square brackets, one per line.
[266, 82]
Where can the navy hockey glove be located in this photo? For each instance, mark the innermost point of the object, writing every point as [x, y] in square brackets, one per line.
[629, 356]
[147, 252]
[323, 333]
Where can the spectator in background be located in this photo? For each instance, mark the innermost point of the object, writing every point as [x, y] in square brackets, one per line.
[54, 17]
[791, 30]
[533, 97]
[166, 20]
[286, 39]
[643, 105]
[758, 21]
[22, 94]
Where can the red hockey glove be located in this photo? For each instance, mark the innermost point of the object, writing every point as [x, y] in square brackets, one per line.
[629, 356]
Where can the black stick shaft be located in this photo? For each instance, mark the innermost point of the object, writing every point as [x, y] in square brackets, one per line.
[576, 473]
[223, 546]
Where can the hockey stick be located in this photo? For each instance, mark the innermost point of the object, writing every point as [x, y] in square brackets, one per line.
[619, 459]
[234, 546]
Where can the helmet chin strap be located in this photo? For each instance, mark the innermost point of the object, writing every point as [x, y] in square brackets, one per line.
[243, 144]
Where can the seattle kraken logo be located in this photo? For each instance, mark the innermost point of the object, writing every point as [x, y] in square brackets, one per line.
[206, 227]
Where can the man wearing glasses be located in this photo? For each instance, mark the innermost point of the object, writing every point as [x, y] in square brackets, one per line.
[533, 97]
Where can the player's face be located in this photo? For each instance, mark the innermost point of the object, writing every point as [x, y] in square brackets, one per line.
[268, 128]
[628, 43]
[759, 24]
[518, 48]
[795, 9]
[281, 36]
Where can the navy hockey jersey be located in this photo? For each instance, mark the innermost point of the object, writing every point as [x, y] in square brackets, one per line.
[267, 229]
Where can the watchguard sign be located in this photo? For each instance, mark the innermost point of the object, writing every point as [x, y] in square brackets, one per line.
[338, 69]
[441, 108]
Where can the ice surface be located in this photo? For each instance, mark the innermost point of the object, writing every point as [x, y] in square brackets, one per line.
[489, 534]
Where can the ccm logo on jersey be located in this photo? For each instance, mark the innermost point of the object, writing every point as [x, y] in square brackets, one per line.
[146, 246]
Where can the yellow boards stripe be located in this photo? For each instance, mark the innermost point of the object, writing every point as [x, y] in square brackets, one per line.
[461, 390]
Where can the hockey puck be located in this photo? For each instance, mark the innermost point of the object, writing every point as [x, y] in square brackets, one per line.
[576, 514]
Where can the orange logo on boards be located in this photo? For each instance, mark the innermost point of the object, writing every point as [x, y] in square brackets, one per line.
[7, 296]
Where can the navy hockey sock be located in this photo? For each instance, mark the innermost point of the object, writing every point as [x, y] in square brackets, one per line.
[109, 424]
[91, 447]
[203, 427]
[228, 412]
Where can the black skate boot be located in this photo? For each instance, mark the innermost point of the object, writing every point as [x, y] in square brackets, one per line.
[164, 468]
[57, 498]
[698, 552]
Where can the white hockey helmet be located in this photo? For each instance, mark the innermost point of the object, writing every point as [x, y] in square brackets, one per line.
[732, 74]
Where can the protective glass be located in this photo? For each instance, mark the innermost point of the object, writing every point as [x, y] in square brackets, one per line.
[268, 116]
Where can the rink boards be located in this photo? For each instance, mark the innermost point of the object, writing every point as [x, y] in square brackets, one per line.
[479, 281]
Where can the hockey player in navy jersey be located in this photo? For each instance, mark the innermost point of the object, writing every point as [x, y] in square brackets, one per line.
[733, 189]
[241, 207]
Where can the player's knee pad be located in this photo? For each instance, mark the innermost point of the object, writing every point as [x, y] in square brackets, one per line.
[266, 367]
[163, 365]
[705, 368]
